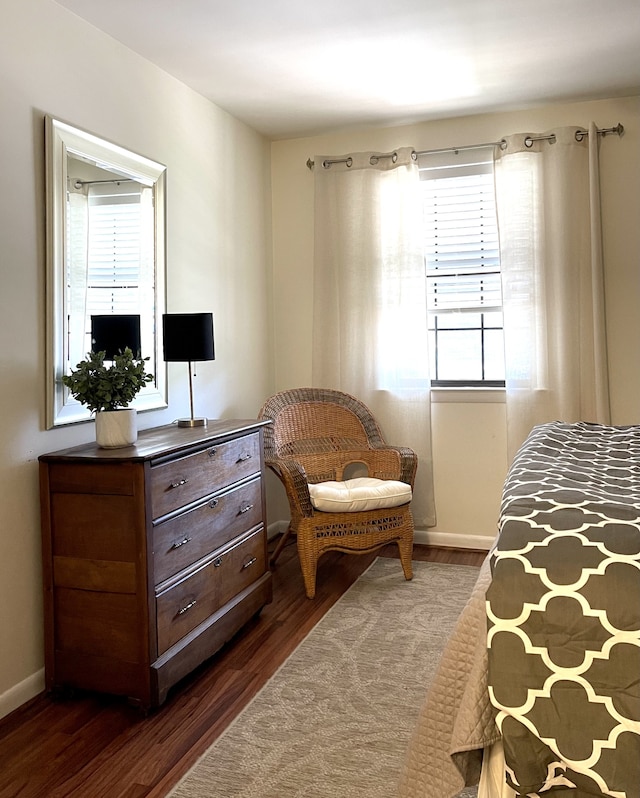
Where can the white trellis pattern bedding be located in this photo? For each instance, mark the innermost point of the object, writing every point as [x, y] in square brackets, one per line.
[561, 675]
[563, 613]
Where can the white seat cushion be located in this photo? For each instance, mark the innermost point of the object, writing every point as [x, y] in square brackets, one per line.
[356, 495]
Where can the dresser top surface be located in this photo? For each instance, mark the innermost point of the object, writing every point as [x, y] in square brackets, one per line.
[160, 441]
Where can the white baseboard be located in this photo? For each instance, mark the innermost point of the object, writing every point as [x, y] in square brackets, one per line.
[424, 537]
[21, 693]
[276, 528]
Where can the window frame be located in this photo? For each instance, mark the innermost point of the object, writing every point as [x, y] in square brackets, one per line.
[462, 164]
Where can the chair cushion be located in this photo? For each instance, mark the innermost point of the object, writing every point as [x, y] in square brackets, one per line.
[360, 494]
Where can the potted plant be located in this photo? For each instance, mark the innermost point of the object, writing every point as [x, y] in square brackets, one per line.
[107, 391]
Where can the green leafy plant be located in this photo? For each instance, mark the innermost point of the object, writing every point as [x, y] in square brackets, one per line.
[101, 387]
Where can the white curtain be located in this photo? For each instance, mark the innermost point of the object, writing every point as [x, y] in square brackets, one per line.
[548, 203]
[369, 309]
[76, 277]
[147, 282]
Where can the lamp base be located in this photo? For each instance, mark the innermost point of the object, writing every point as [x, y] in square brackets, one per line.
[192, 422]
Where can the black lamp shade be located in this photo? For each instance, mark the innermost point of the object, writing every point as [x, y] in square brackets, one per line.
[112, 334]
[187, 337]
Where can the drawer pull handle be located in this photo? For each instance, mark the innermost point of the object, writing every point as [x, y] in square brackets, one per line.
[246, 509]
[244, 457]
[212, 452]
[187, 607]
[213, 503]
[179, 483]
[179, 543]
[249, 563]
[217, 562]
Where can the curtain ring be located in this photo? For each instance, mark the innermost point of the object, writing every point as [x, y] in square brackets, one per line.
[528, 142]
[327, 164]
[375, 159]
[503, 144]
[580, 134]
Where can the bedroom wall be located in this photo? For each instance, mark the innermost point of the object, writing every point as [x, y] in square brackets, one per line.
[469, 437]
[218, 248]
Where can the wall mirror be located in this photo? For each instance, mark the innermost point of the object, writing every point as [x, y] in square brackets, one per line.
[105, 254]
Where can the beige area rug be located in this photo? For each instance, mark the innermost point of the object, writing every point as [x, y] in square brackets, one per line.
[336, 718]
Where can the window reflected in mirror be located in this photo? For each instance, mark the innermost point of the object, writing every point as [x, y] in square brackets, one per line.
[110, 259]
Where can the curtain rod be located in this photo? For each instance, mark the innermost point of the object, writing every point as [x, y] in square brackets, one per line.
[580, 135]
[79, 183]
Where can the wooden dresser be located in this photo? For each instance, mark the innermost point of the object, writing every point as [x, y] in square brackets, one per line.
[153, 555]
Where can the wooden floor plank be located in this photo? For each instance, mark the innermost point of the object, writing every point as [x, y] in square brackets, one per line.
[96, 746]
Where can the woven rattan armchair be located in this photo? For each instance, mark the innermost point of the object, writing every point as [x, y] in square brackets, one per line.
[315, 436]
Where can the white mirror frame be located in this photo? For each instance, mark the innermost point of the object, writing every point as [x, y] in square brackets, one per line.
[62, 140]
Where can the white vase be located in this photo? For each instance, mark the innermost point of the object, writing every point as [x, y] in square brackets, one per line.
[116, 428]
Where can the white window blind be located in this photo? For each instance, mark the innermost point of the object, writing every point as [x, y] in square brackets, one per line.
[114, 259]
[461, 238]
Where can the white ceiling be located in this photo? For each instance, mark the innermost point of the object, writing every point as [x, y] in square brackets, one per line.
[293, 68]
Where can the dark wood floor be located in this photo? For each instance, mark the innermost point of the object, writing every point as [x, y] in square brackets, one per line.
[99, 747]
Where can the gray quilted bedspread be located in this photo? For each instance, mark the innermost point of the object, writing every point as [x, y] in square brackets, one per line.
[563, 612]
[457, 720]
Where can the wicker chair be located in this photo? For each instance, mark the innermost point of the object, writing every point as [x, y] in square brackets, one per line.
[315, 436]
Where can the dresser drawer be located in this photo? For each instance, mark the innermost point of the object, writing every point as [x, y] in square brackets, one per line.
[187, 538]
[180, 482]
[192, 600]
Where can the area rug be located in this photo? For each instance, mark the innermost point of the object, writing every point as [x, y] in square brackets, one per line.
[336, 718]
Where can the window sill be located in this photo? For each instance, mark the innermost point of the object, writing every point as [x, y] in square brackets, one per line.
[468, 395]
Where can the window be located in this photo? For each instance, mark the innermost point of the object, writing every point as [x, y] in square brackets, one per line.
[462, 261]
[114, 250]
[112, 255]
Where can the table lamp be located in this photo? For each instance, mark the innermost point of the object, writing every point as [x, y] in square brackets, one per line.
[188, 337]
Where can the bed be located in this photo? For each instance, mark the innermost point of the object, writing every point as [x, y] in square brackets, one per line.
[541, 677]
